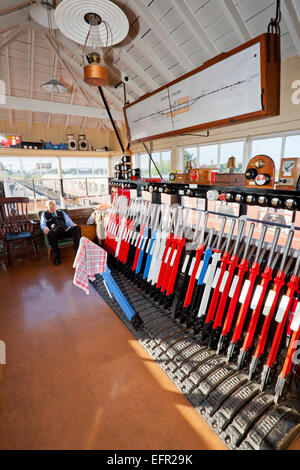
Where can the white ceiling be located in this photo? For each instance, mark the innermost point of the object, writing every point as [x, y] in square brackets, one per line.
[166, 39]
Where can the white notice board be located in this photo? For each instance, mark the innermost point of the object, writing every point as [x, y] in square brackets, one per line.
[231, 87]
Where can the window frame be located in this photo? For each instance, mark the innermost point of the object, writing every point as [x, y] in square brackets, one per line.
[209, 144]
[160, 151]
[59, 176]
[248, 145]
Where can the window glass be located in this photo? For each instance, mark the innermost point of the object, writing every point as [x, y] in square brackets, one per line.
[270, 147]
[10, 168]
[292, 146]
[209, 155]
[166, 163]
[144, 160]
[191, 155]
[31, 168]
[69, 167]
[97, 186]
[49, 166]
[231, 149]
[85, 166]
[135, 161]
[100, 166]
[156, 159]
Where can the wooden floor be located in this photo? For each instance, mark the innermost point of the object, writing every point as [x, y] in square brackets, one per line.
[76, 378]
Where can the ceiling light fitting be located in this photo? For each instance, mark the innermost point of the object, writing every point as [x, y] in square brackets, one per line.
[95, 24]
[54, 86]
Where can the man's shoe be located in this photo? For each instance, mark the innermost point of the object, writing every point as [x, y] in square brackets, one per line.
[57, 260]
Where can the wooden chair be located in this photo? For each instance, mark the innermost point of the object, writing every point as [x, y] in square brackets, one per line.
[15, 226]
[61, 243]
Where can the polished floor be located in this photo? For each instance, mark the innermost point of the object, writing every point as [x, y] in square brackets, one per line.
[75, 377]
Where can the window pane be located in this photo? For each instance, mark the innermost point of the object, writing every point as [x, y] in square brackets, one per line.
[209, 155]
[10, 168]
[100, 166]
[15, 188]
[190, 155]
[49, 166]
[292, 146]
[156, 158]
[135, 161]
[97, 186]
[69, 167]
[31, 168]
[85, 167]
[144, 159]
[47, 188]
[73, 190]
[166, 163]
[270, 147]
[231, 149]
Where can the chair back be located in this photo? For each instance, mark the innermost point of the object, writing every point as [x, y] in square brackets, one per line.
[40, 212]
[14, 215]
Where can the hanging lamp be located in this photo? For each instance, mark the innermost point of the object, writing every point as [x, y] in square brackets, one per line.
[95, 24]
[54, 86]
[43, 13]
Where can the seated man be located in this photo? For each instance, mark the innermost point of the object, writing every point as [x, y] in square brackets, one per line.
[58, 225]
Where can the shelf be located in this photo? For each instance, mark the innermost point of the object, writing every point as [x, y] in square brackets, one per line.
[52, 153]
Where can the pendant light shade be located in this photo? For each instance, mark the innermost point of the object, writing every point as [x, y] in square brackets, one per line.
[54, 86]
[43, 14]
[71, 19]
[96, 24]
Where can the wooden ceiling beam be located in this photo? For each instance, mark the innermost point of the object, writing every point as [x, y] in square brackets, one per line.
[71, 102]
[32, 64]
[8, 83]
[199, 33]
[54, 68]
[142, 10]
[290, 16]
[54, 107]
[235, 20]
[13, 37]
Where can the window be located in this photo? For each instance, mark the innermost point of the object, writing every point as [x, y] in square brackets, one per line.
[214, 155]
[190, 154]
[10, 168]
[231, 149]
[162, 160]
[100, 166]
[208, 155]
[81, 181]
[292, 146]
[272, 147]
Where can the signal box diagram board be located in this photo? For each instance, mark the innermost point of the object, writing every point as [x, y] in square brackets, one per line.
[241, 85]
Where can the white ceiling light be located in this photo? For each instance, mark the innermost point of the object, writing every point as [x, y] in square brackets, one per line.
[43, 14]
[71, 18]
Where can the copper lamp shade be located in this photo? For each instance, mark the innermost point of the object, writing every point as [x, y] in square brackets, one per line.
[95, 75]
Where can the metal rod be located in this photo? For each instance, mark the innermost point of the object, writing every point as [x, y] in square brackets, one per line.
[150, 156]
[111, 118]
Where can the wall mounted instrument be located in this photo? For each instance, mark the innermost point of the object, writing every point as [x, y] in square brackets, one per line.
[201, 176]
[236, 86]
[230, 179]
[289, 176]
[260, 172]
[177, 177]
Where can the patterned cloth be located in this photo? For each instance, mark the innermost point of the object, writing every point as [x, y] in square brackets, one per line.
[90, 260]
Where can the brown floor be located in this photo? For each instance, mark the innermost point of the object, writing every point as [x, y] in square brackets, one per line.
[76, 378]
